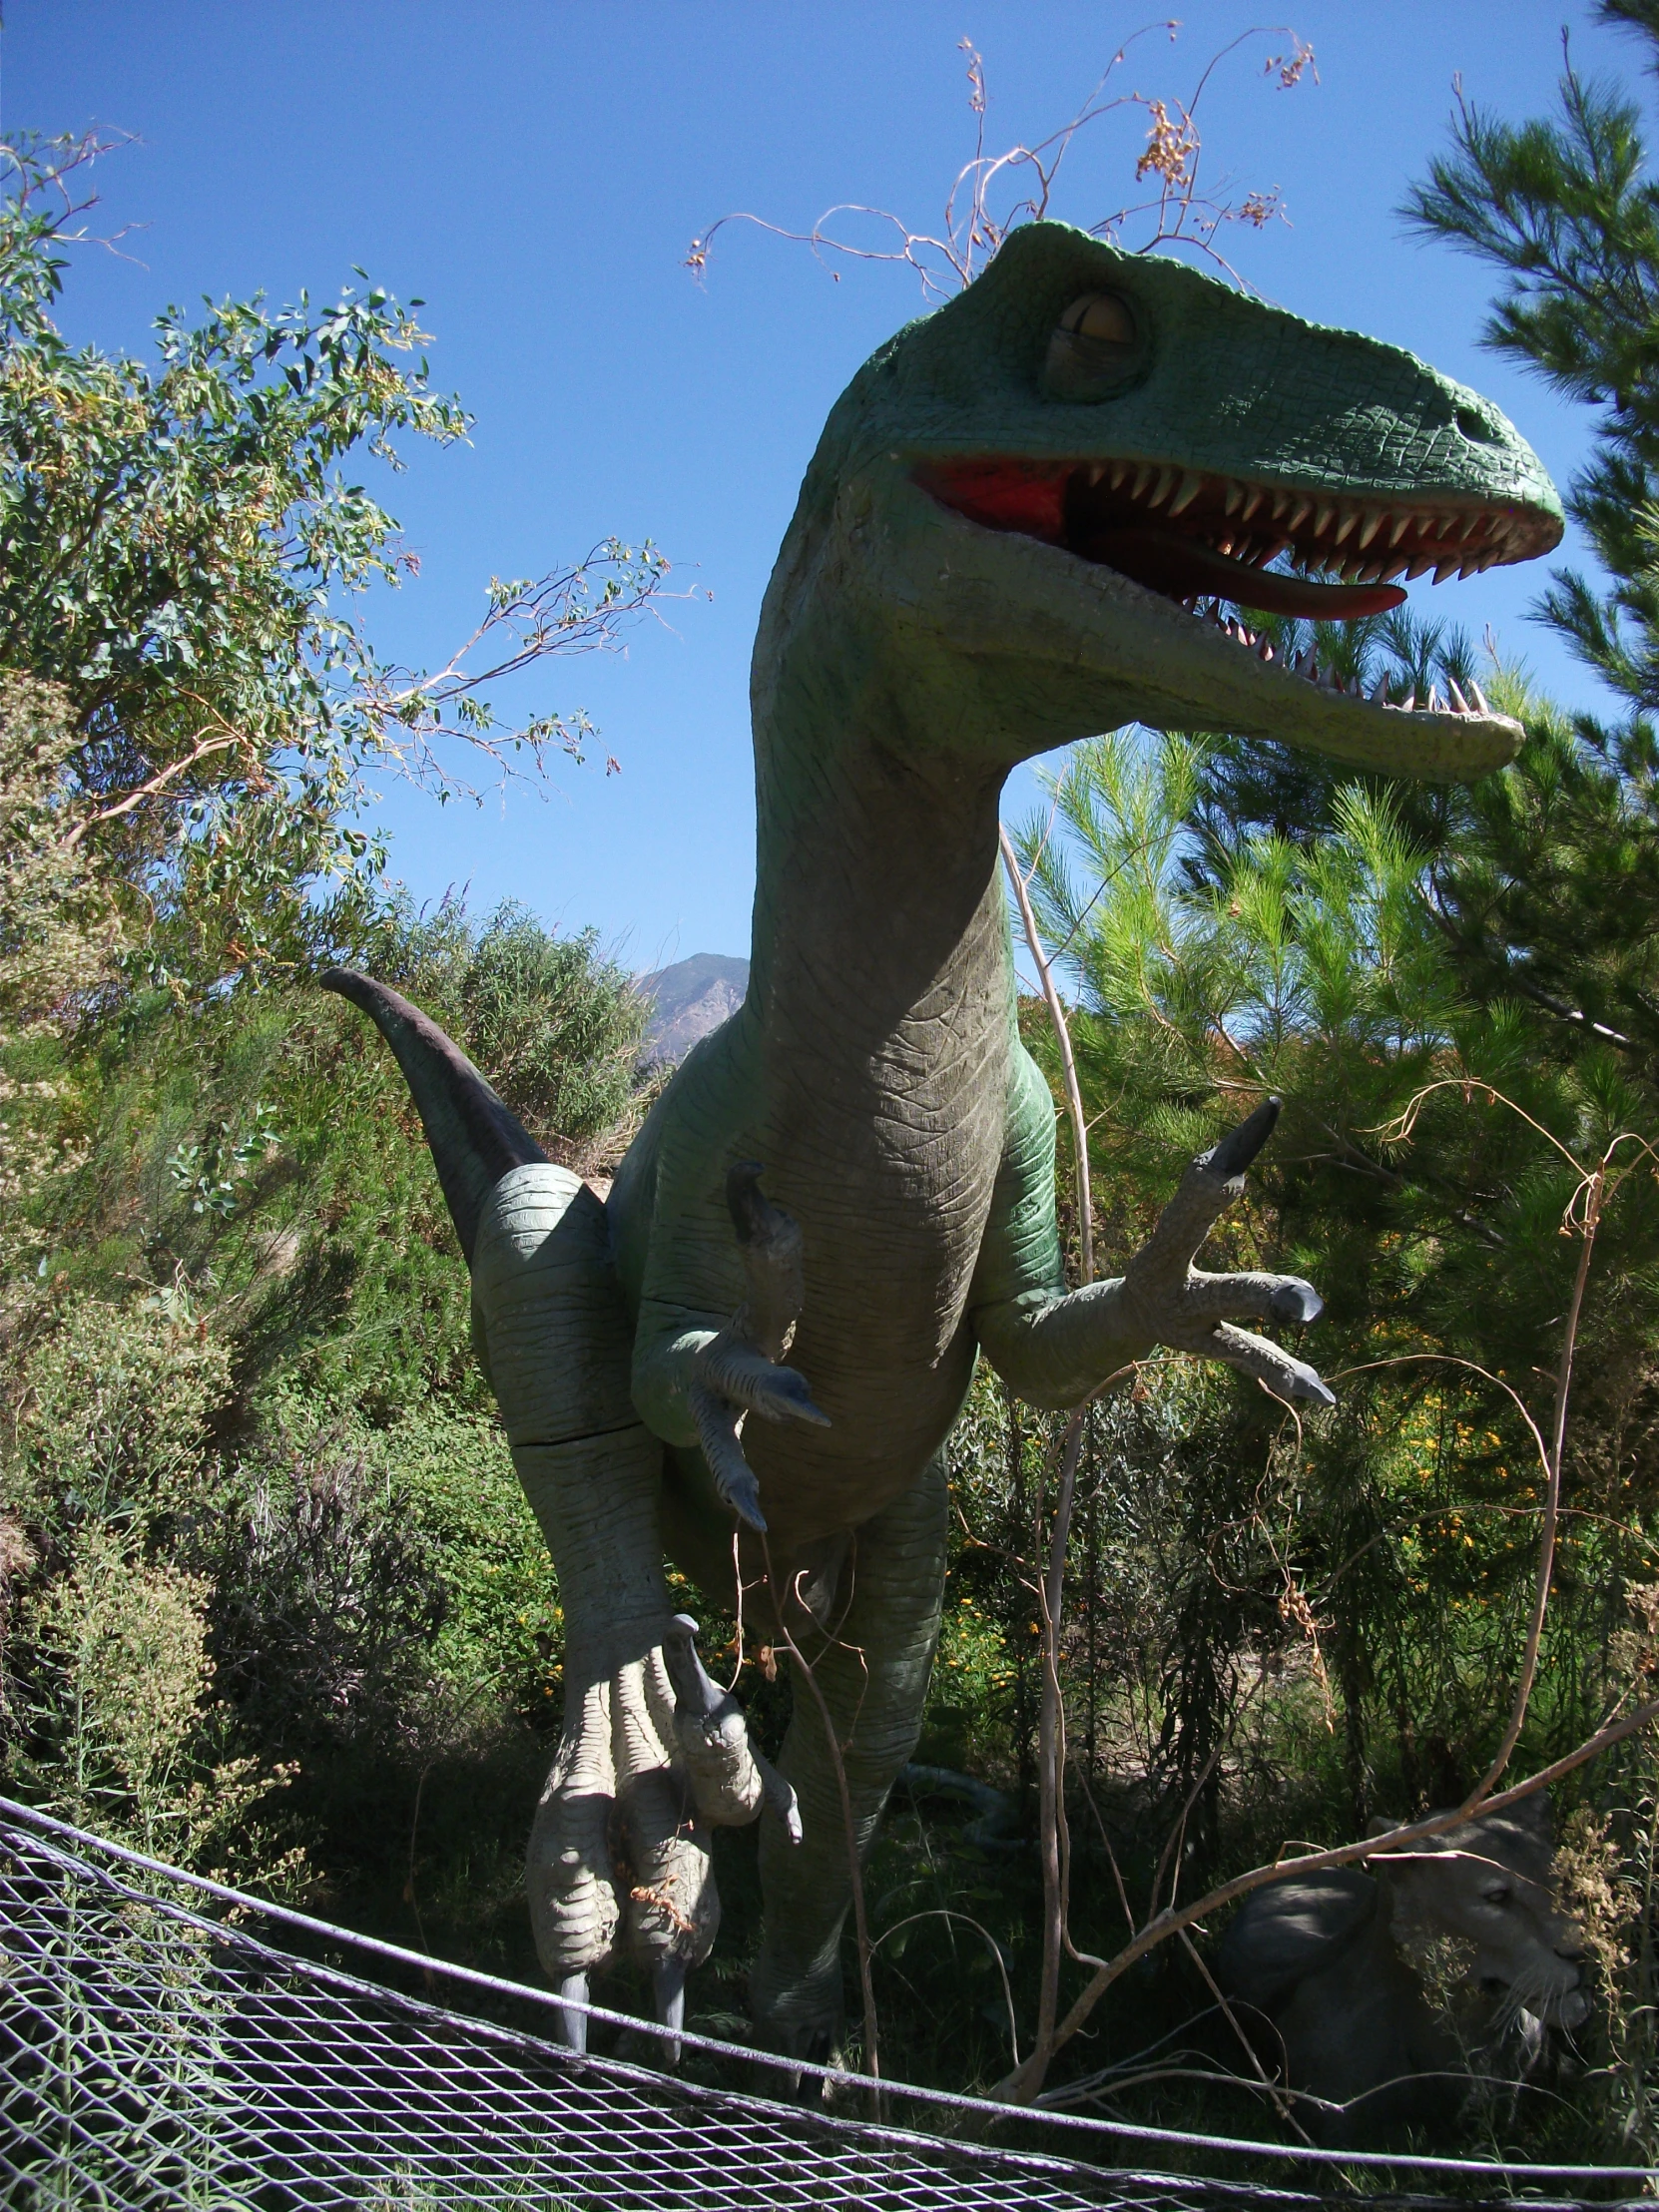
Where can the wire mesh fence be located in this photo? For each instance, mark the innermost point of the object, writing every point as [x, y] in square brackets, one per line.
[154, 2056]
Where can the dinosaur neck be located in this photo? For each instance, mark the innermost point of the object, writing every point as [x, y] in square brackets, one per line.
[879, 916]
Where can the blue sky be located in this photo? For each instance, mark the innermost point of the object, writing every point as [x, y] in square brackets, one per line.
[535, 172]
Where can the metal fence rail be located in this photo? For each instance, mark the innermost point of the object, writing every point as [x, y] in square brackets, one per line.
[152, 2058]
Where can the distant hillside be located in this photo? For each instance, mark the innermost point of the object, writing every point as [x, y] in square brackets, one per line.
[687, 1000]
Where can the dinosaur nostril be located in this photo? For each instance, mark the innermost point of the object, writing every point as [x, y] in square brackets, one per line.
[1476, 427]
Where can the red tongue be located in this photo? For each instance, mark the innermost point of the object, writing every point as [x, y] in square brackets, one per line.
[1182, 568]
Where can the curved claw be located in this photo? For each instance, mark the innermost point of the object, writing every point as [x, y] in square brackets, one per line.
[1287, 1377]
[573, 2025]
[668, 1991]
[694, 1691]
[1233, 1154]
[735, 1370]
[1296, 1303]
[780, 1795]
[717, 1435]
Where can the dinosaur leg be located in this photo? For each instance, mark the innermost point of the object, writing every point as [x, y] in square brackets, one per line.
[651, 1754]
[873, 1674]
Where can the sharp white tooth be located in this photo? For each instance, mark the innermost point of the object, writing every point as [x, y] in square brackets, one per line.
[1408, 702]
[1235, 497]
[1457, 698]
[1444, 569]
[1191, 487]
[1471, 528]
[1372, 573]
[1096, 473]
[1281, 505]
[1321, 517]
[1253, 502]
[1347, 518]
[1480, 698]
[1392, 571]
[1468, 568]
[1303, 509]
[1249, 636]
[1369, 530]
[1143, 477]
[1263, 651]
[1160, 491]
[1435, 706]
[1416, 568]
[1350, 571]
[1379, 690]
[1402, 523]
[1120, 470]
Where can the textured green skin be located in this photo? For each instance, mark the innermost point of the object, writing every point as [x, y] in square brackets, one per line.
[906, 661]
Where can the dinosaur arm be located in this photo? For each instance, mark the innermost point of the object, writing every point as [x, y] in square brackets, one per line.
[1054, 1346]
[716, 1271]
[1051, 1345]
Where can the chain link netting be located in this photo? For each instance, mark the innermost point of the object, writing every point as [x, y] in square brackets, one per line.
[152, 2057]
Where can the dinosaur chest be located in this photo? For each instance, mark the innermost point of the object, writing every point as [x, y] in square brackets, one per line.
[888, 1135]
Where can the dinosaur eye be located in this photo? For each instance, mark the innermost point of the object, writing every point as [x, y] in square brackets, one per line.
[1101, 316]
[1498, 1894]
[1095, 350]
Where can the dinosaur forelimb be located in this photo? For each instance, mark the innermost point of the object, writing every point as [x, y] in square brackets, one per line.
[736, 1370]
[1056, 1349]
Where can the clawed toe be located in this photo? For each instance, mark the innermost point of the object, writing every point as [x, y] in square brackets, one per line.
[1296, 1304]
[572, 2013]
[668, 1993]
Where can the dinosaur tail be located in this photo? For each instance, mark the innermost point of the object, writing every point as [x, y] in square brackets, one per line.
[474, 1138]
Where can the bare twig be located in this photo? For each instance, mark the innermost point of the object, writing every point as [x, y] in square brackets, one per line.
[861, 1923]
[1582, 1218]
[1068, 1064]
[992, 193]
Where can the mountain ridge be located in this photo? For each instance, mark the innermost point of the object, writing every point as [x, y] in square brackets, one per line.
[687, 999]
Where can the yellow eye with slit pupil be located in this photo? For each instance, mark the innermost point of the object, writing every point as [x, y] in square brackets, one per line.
[1096, 349]
[1100, 316]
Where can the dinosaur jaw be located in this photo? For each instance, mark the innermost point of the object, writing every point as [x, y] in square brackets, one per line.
[1189, 535]
[1180, 539]
[1053, 646]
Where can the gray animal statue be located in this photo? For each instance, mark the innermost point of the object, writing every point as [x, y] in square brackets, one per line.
[1019, 527]
[1319, 1971]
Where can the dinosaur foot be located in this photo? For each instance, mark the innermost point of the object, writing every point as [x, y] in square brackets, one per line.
[740, 1372]
[653, 1755]
[1178, 1304]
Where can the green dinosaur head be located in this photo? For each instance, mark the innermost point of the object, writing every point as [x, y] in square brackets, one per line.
[1059, 487]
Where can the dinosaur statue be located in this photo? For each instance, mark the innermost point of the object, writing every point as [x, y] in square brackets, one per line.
[1322, 1972]
[1005, 541]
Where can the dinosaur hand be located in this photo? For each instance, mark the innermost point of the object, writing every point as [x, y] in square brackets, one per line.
[740, 1372]
[1173, 1303]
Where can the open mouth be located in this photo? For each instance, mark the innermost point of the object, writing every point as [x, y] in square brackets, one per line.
[1189, 535]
